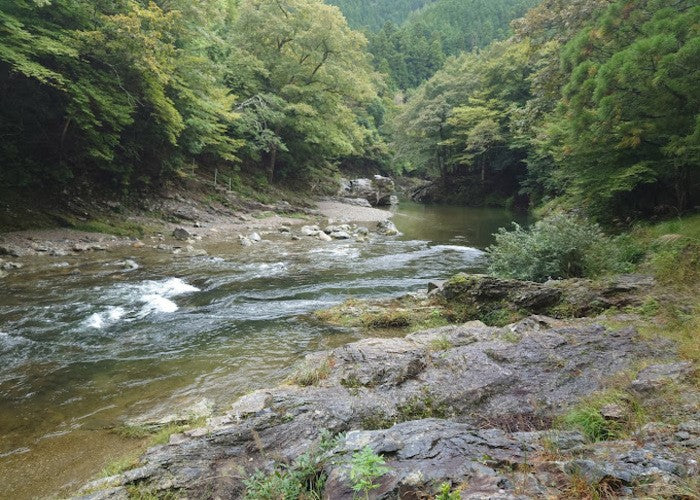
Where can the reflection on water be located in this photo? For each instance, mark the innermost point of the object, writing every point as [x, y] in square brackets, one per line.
[81, 352]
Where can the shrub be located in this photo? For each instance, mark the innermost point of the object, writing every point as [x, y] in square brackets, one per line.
[559, 246]
[365, 468]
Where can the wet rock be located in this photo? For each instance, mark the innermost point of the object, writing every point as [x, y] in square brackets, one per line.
[340, 235]
[244, 241]
[181, 233]
[310, 230]
[7, 266]
[387, 228]
[255, 238]
[284, 229]
[11, 251]
[340, 227]
[87, 247]
[128, 264]
[656, 376]
[323, 236]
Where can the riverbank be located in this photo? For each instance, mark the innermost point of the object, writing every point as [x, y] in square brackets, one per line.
[543, 407]
[172, 222]
[586, 388]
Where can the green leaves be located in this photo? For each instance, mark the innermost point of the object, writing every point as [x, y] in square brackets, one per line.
[366, 467]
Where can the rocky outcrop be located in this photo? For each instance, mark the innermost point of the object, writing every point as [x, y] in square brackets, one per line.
[378, 191]
[461, 404]
[568, 298]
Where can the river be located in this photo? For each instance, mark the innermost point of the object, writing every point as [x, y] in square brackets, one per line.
[81, 352]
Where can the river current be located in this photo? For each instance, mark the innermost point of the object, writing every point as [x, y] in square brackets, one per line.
[81, 352]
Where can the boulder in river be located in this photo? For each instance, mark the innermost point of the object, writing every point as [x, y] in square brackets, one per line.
[310, 230]
[180, 233]
[378, 191]
[387, 228]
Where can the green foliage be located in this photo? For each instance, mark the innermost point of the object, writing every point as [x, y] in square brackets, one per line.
[365, 468]
[440, 344]
[121, 92]
[445, 492]
[627, 132]
[592, 100]
[373, 15]
[120, 465]
[132, 93]
[559, 246]
[302, 479]
[413, 52]
[587, 417]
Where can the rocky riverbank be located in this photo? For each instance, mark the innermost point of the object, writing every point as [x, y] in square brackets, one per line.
[180, 225]
[542, 407]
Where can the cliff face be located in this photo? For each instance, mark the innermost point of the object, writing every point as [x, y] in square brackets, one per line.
[472, 406]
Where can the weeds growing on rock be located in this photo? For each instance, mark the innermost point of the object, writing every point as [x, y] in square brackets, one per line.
[365, 468]
[120, 465]
[445, 492]
[303, 479]
[440, 344]
[307, 374]
[420, 407]
[607, 415]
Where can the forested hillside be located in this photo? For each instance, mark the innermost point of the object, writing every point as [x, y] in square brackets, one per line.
[372, 14]
[127, 93]
[411, 53]
[593, 103]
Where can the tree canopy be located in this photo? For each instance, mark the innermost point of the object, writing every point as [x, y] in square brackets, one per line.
[595, 103]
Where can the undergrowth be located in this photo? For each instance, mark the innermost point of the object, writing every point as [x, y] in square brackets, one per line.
[303, 479]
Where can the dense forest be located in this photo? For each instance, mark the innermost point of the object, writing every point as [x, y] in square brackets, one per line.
[585, 103]
[592, 103]
[372, 14]
[126, 93]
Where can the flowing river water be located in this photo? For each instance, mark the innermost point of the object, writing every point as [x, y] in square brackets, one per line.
[82, 352]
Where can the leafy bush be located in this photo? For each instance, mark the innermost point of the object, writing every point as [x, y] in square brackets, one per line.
[559, 246]
[365, 468]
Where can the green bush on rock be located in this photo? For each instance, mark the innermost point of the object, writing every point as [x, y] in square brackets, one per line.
[559, 246]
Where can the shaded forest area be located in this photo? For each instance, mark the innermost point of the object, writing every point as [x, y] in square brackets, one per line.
[587, 104]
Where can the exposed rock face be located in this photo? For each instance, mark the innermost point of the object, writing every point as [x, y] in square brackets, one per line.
[460, 404]
[378, 191]
[572, 297]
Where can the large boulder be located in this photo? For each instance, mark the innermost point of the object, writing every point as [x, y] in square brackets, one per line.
[378, 191]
